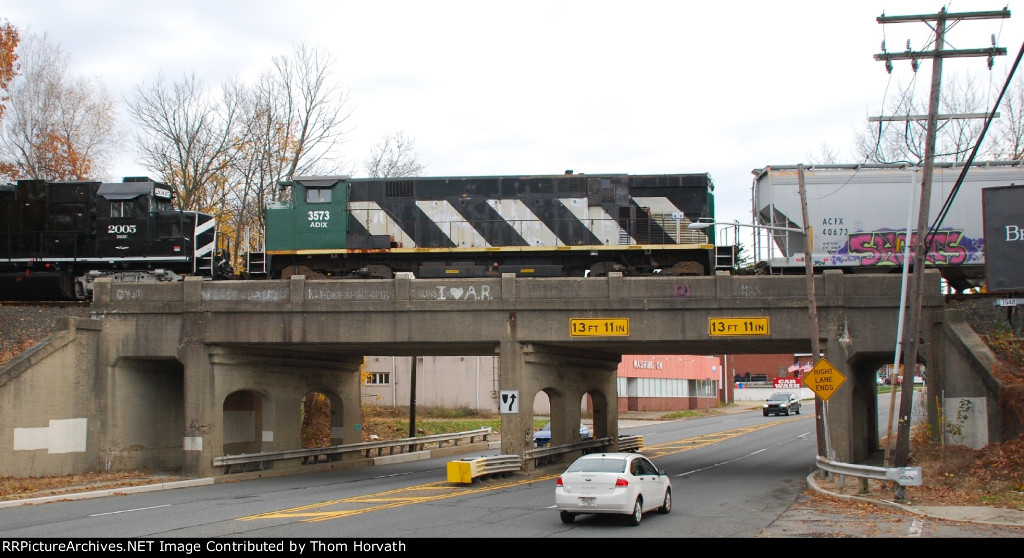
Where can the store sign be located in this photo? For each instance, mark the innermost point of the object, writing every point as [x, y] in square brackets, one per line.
[786, 383]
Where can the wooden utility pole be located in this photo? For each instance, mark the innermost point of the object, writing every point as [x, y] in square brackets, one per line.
[820, 411]
[912, 333]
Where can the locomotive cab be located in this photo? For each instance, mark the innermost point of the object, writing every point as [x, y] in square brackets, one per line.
[313, 217]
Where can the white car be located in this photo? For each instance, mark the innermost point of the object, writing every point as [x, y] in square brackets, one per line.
[617, 483]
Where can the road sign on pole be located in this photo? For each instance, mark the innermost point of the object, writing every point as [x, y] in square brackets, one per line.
[824, 379]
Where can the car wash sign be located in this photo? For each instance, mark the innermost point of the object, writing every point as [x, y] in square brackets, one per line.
[1004, 237]
[786, 383]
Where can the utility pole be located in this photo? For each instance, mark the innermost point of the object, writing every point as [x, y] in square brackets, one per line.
[820, 414]
[912, 333]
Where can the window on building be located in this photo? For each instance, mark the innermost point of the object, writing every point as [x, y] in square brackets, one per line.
[378, 379]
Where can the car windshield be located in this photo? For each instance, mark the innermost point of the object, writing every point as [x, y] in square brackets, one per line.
[598, 465]
[779, 397]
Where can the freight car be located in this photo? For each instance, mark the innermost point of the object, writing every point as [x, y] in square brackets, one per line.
[57, 237]
[859, 217]
[563, 225]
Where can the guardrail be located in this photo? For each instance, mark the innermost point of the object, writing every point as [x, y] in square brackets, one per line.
[547, 455]
[468, 469]
[902, 476]
[245, 462]
[257, 461]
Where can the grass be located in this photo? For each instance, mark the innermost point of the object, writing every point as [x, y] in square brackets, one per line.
[389, 423]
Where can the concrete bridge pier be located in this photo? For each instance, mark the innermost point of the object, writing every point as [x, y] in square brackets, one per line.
[566, 376]
[251, 401]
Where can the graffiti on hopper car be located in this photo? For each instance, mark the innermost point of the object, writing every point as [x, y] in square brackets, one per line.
[886, 248]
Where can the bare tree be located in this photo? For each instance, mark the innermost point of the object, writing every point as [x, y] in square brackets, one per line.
[827, 156]
[56, 127]
[1009, 128]
[188, 137]
[393, 157]
[311, 109]
[903, 140]
[293, 118]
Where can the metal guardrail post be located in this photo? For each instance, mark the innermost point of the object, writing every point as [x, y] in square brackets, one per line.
[902, 476]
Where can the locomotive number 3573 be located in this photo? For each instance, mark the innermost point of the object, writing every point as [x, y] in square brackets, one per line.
[318, 219]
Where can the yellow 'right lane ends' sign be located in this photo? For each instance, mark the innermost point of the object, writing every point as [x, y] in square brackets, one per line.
[824, 379]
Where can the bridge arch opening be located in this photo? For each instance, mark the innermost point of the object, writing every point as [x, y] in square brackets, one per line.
[322, 420]
[243, 413]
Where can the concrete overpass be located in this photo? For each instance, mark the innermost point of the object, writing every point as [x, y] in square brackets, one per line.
[172, 375]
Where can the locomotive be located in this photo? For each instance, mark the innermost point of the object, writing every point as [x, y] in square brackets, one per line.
[562, 225]
[56, 238]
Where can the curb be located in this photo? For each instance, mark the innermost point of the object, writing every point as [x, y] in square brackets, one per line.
[106, 492]
[964, 514]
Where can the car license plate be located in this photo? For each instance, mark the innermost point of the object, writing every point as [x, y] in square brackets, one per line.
[588, 501]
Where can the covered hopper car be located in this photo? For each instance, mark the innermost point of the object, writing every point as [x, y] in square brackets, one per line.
[859, 216]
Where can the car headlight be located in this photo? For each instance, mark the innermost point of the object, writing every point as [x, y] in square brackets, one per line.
[765, 406]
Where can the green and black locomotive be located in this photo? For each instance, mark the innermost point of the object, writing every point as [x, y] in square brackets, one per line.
[567, 225]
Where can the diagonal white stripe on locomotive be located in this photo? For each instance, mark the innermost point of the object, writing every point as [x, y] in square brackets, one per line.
[452, 223]
[672, 219]
[378, 222]
[524, 221]
[597, 220]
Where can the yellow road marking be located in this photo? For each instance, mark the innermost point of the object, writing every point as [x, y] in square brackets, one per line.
[440, 490]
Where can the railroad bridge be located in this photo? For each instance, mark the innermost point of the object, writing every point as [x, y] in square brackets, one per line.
[174, 375]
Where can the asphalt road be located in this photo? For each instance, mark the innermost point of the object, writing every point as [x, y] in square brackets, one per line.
[740, 476]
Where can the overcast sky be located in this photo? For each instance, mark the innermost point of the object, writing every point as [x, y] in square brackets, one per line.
[538, 87]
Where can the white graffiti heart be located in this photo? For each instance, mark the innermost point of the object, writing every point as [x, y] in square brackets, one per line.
[456, 293]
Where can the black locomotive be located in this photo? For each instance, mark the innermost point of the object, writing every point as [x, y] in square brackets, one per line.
[57, 237]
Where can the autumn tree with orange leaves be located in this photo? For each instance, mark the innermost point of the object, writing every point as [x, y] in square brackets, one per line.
[55, 126]
[9, 39]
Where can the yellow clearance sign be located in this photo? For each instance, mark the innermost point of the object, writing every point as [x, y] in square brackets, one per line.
[599, 327]
[738, 326]
[824, 379]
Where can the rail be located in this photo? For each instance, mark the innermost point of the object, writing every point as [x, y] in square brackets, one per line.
[257, 461]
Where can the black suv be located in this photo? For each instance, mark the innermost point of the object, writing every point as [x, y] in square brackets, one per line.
[781, 403]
